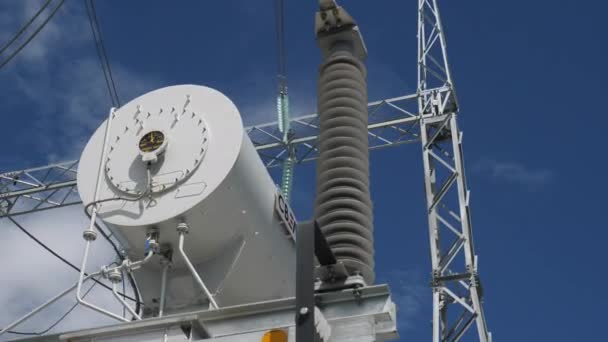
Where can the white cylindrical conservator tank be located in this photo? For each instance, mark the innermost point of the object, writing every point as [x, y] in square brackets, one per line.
[185, 149]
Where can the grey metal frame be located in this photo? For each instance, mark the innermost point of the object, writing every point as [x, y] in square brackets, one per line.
[40, 188]
[359, 315]
[429, 116]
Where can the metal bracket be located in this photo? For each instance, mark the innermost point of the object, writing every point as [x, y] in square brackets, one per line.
[310, 242]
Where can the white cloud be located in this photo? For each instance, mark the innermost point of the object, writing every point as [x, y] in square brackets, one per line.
[32, 275]
[515, 173]
[410, 293]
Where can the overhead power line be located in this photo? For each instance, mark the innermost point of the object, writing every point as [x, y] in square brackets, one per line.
[34, 34]
[280, 36]
[25, 26]
[101, 52]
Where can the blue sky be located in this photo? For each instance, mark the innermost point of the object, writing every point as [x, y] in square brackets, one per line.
[529, 76]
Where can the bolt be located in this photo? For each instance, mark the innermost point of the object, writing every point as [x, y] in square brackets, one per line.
[303, 311]
[182, 227]
[114, 276]
[89, 235]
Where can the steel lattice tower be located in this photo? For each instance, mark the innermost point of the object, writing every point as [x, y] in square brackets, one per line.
[456, 287]
[428, 117]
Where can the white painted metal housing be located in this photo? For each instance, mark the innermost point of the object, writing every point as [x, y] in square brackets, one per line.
[208, 175]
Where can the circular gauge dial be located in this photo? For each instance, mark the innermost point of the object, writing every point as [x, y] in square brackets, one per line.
[151, 141]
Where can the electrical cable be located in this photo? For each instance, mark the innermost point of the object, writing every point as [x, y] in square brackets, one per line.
[104, 53]
[40, 333]
[29, 39]
[101, 52]
[43, 245]
[25, 27]
[280, 37]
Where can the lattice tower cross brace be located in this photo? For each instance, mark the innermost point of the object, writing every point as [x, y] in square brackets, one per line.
[456, 287]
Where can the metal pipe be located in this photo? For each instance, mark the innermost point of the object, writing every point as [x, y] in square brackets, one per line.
[125, 264]
[130, 266]
[90, 234]
[182, 229]
[123, 302]
[44, 305]
[163, 290]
